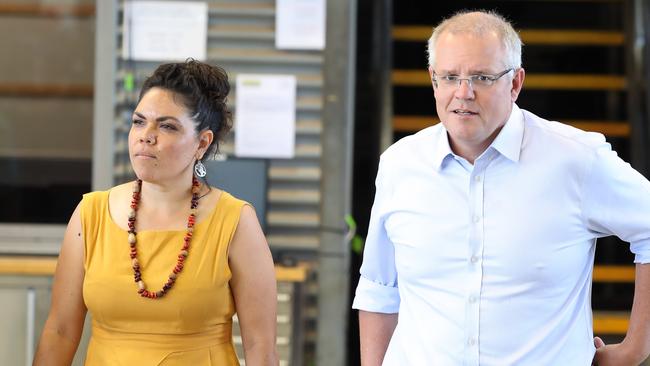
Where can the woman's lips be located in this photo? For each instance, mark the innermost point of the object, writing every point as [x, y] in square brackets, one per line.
[145, 156]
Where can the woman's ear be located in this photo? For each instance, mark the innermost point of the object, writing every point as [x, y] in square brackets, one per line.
[205, 140]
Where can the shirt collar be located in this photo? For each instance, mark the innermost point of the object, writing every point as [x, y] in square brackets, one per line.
[507, 142]
[442, 148]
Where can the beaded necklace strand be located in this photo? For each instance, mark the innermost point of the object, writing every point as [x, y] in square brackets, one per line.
[137, 274]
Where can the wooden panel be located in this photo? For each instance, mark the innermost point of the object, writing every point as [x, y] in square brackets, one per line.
[291, 240]
[270, 56]
[295, 173]
[293, 219]
[48, 10]
[291, 195]
[242, 8]
[532, 81]
[610, 273]
[611, 322]
[46, 51]
[47, 129]
[412, 33]
[40, 266]
[574, 82]
[29, 266]
[291, 274]
[407, 124]
[411, 78]
[529, 36]
[607, 128]
[572, 37]
[46, 90]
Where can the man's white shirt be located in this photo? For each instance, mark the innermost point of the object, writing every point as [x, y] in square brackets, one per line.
[491, 263]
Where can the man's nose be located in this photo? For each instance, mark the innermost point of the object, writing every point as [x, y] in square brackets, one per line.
[464, 90]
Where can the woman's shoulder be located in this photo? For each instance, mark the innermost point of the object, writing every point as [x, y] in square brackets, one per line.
[221, 206]
[120, 192]
[228, 200]
[124, 188]
[119, 189]
[98, 200]
[94, 198]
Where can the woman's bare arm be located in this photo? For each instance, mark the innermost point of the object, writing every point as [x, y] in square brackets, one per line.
[65, 321]
[254, 288]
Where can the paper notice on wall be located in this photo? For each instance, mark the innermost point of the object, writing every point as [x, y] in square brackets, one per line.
[165, 30]
[300, 24]
[265, 116]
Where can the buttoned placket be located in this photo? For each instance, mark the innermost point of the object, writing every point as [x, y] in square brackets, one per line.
[475, 258]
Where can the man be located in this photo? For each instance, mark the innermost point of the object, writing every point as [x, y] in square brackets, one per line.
[482, 235]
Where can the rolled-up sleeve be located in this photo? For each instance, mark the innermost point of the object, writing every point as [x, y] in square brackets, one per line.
[377, 290]
[616, 201]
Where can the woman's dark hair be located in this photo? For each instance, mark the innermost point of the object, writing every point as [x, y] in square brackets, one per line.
[202, 89]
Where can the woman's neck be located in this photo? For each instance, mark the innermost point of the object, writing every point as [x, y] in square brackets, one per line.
[168, 195]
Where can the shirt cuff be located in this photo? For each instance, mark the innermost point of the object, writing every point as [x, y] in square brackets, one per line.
[375, 297]
[641, 249]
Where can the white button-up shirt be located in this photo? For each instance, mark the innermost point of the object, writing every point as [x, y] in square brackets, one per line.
[491, 263]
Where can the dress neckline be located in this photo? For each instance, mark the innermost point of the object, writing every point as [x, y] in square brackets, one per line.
[207, 218]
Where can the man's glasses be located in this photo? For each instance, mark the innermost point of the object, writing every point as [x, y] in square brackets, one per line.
[473, 81]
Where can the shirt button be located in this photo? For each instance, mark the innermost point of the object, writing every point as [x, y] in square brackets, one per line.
[477, 218]
[472, 342]
[474, 259]
[472, 299]
[477, 178]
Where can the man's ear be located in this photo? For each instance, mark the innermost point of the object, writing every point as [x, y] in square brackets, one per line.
[431, 78]
[517, 83]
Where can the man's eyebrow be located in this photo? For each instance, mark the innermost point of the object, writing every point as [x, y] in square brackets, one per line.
[445, 72]
[473, 72]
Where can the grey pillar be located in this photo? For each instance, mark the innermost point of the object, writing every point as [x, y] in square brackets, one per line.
[336, 163]
[104, 95]
[637, 14]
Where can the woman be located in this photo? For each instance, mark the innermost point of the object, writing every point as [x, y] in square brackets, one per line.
[163, 262]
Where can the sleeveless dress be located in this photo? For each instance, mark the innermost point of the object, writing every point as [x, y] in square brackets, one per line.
[192, 323]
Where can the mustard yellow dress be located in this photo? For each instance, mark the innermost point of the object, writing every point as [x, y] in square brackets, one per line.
[192, 323]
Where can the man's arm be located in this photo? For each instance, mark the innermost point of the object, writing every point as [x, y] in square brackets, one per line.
[377, 295]
[375, 331]
[635, 348]
[638, 333]
[616, 201]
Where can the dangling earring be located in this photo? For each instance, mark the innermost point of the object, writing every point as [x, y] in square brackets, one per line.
[199, 169]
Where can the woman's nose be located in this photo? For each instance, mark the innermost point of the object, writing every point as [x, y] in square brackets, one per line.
[148, 137]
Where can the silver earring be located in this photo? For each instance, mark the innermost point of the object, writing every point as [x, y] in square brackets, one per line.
[199, 169]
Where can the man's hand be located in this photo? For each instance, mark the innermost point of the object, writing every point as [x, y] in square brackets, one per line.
[612, 355]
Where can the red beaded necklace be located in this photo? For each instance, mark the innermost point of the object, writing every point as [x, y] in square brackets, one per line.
[137, 274]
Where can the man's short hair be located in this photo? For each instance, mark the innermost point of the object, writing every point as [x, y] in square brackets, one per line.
[479, 23]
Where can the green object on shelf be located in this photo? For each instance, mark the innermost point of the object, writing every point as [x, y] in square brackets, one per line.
[129, 82]
[357, 244]
[356, 241]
